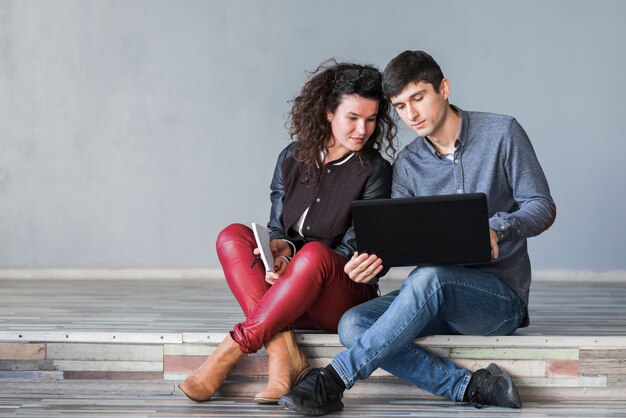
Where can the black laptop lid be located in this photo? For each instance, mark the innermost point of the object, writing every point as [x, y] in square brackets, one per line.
[429, 230]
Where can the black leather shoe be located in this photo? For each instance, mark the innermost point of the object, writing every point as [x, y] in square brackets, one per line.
[492, 386]
[316, 394]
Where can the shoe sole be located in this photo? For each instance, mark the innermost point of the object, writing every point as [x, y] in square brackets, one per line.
[189, 397]
[512, 391]
[265, 400]
[288, 403]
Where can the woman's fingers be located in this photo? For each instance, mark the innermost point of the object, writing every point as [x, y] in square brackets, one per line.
[368, 270]
[364, 267]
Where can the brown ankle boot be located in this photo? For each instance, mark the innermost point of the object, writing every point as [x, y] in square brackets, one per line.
[287, 365]
[205, 381]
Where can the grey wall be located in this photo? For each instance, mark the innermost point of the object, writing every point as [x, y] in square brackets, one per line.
[131, 132]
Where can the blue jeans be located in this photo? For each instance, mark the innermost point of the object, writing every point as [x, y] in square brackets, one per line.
[431, 301]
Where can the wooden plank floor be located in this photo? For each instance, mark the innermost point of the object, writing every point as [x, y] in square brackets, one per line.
[162, 306]
[149, 312]
[159, 399]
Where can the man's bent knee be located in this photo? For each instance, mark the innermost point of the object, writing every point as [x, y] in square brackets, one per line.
[425, 277]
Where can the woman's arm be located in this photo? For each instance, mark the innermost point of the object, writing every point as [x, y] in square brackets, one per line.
[275, 225]
[378, 186]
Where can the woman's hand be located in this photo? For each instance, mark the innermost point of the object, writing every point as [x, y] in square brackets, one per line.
[279, 247]
[280, 265]
[280, 250]
[362, 268]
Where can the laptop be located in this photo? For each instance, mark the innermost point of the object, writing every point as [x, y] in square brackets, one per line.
[428, 230]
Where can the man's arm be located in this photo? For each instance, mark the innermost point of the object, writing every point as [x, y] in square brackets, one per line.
[529, 186]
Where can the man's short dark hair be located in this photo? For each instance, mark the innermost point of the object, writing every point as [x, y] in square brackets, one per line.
[410, 67]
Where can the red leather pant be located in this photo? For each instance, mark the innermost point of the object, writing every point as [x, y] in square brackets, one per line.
[312, 293]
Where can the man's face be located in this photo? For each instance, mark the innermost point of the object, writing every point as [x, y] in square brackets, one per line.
[421, 108]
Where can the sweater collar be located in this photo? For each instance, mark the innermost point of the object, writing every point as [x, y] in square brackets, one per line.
[341, 160]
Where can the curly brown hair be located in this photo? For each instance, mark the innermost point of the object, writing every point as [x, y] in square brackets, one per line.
[322, 93]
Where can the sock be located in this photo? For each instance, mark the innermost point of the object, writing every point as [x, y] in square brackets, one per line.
[468, 389]
[333, 373]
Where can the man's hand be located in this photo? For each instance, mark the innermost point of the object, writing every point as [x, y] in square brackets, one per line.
[493, 238]
[363, 267]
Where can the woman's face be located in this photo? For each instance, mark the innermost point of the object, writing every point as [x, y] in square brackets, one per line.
[352, 124]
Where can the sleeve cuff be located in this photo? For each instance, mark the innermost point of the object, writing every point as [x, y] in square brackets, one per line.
[292, 245]
[500, 225]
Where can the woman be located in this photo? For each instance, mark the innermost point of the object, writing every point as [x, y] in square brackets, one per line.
[338, 124]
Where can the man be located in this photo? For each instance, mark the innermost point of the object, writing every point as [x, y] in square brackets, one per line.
[455, 152]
